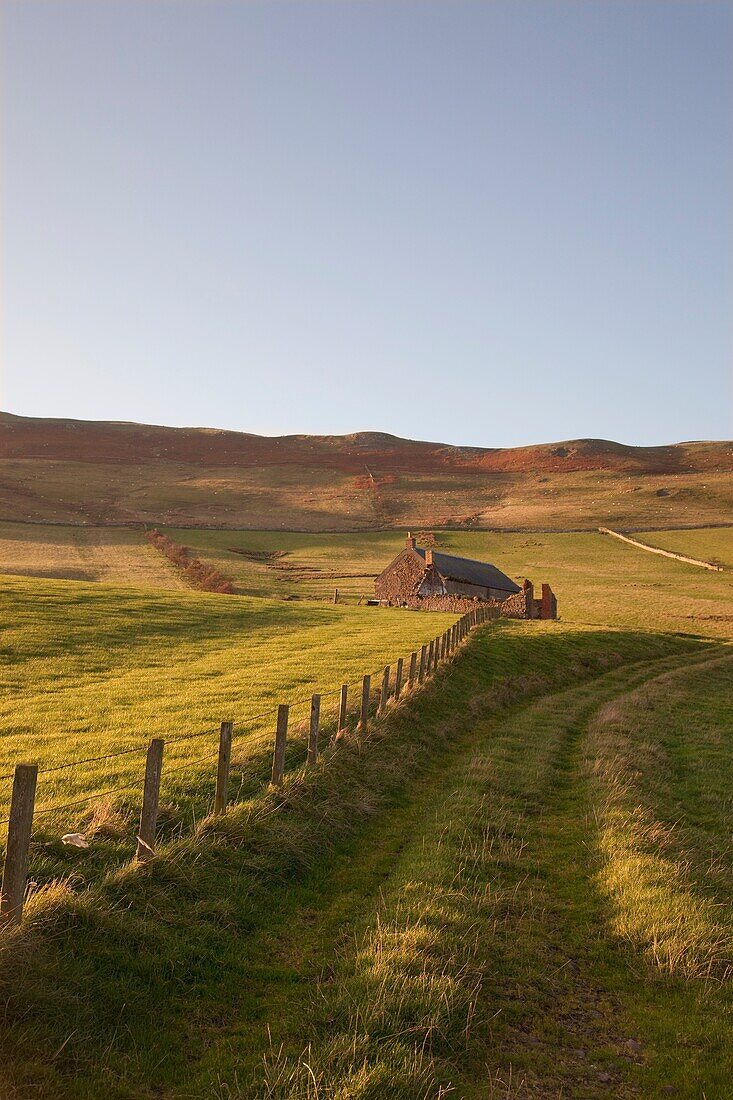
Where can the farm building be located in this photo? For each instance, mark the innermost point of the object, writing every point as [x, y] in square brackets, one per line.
[429, 580]
[423, 572]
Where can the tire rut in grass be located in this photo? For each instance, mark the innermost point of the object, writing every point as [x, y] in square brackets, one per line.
[506, 993]
[569, 1036]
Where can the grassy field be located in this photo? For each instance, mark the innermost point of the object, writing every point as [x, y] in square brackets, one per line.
[597, 579]
[315, 499]
[112, 555]
[713, 544]
[92, 669]
[517, 886]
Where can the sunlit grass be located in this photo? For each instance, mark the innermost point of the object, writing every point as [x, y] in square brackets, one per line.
[90, 670]
[662, 770]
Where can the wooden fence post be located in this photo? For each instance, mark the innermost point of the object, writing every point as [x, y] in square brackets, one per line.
[281, 737]
[431, 651]
[15, 871]
[151, 797]
[423, 658]
[222, 769]
[364, 717]
[385, 690]
[398, 678]
[342, 707]
[413, 669]
[313, 736]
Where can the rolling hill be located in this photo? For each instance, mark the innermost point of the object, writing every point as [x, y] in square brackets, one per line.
[73, 471]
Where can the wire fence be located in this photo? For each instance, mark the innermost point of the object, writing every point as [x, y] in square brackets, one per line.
[406, 673]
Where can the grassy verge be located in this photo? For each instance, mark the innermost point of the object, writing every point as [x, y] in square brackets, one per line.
[661, 773]
[125, 988]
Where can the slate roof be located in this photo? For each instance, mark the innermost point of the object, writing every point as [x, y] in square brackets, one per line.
[470, 572]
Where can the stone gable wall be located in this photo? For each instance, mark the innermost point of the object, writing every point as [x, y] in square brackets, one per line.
[401, 578]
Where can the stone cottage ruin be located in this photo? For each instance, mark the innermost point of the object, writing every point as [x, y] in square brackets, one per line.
[428, 580]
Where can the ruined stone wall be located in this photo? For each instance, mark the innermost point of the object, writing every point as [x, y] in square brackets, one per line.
[548, 603]
[405, 584]
[454, 604]
[519, 606]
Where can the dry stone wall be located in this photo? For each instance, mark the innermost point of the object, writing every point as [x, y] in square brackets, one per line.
[454, 604]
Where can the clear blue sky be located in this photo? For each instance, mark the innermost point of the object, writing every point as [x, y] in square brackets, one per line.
[478, 222]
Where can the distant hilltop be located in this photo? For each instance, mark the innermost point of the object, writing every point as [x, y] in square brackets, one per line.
[119, 441]
[77, 471]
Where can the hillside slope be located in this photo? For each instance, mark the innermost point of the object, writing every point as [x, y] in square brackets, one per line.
[76, 471]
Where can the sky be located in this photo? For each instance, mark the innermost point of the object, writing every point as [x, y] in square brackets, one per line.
[488, 223]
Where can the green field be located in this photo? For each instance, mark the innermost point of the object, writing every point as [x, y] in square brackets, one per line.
[598, 580]
[90, 670]
[713, 544]
[516, 886]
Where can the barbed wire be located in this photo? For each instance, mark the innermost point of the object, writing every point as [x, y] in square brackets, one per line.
[77, 802]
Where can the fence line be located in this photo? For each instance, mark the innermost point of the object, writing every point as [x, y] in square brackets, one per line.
[22, 806]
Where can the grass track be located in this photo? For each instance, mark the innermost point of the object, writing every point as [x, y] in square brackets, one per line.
[202, 942]
[489, 963]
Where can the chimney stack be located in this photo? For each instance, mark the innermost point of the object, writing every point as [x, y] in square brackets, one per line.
[411, 542]
[428, 559]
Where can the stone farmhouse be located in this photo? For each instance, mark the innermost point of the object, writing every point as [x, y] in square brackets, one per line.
[428, 580]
